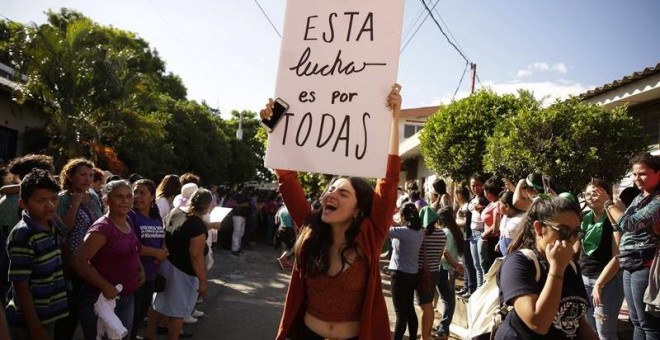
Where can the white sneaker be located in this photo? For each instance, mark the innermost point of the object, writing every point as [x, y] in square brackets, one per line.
[190, 319]
[199, 300]
[197, 314]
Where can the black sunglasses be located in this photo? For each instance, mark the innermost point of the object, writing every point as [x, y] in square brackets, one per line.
[564, 231]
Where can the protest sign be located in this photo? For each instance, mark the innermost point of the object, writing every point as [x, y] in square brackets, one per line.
[338, 62]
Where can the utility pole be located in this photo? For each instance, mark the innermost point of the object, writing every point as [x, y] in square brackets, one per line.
[239, 132]
[473, 68]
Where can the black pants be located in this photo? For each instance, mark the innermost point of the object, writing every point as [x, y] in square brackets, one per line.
[143, 297]
[403, 297]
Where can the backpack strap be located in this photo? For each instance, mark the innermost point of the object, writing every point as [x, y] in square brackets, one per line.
[530, 254]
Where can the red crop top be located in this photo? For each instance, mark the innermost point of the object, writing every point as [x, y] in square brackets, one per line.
[338, 298]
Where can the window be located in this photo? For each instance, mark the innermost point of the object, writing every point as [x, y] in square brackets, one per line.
[410, 130]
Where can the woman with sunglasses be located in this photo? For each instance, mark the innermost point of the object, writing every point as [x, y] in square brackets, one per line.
[639, 223]
[553, 307]
[598, 248]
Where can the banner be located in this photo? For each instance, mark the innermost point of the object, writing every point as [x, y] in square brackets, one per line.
[338, 62]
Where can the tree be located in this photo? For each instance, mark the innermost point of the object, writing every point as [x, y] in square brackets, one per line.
[571, 141]
[453, 140]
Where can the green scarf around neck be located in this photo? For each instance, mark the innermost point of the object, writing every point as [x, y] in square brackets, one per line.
[593, 230]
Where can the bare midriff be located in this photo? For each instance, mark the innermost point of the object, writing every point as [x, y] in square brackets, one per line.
[332, 330]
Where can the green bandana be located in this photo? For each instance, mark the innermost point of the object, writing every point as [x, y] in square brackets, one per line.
[428, 216]
[592, 232]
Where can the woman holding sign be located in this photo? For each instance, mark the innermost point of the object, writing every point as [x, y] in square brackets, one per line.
[335, 290]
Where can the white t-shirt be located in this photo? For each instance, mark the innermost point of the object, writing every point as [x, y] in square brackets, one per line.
[509, 225]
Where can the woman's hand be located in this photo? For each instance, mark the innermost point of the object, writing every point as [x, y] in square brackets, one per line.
[394, 98]
[600, 195]
[596, 294]
[141, 278]
[110, 292]
[202, 289]
[161, 255]
[267, 111]
[559, 254]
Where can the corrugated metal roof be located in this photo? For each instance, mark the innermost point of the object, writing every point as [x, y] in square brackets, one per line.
[623, 81]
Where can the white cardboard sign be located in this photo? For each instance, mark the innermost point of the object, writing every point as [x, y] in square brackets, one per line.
[338, 62]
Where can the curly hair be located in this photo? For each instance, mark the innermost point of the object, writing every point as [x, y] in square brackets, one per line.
[21, 166]
[70, 168]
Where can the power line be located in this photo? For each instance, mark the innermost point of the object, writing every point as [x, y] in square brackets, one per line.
[461, 80]
[267, 18]
[450, 32]
[410, 28]
[418, 27]
[443, 32]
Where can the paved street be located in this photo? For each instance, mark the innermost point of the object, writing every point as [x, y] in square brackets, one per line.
[246, 295]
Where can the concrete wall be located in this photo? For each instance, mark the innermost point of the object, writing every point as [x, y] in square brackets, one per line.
[18, 117]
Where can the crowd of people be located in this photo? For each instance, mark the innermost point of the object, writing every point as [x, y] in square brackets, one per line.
[65, 236]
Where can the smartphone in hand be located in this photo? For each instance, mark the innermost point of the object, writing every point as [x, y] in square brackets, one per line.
[546, 184]
[279, 109]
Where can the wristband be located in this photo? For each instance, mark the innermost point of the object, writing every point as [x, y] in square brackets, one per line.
[556, 276]
[608, 204]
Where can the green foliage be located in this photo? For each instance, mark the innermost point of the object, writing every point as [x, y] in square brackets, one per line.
[571, 141]
[107, 95]
[453, 140]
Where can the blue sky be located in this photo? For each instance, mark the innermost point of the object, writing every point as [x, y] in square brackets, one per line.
[226, 51]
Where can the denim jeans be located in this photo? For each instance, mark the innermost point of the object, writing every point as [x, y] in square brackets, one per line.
[479, 250]
[470, 272]
[611, 300]
[646, 326]
[447, 293]
[124, 311]
[403, 298]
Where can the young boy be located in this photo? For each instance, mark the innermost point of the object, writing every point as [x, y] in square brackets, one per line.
[38, 292]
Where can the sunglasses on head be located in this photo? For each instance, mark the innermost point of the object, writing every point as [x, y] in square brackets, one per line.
[564, 231]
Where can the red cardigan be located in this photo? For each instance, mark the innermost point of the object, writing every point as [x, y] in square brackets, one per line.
[374, 322]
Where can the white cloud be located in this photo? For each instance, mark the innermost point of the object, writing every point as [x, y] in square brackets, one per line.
[541, 67]
[524, 73]
[548, 91]
[560, 67]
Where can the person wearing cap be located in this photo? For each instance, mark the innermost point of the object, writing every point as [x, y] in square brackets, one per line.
[186, 191]
[430, 253]
[527, 190]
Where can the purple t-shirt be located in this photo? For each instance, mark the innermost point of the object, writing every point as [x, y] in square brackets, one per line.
[117, 260]
[150, 232]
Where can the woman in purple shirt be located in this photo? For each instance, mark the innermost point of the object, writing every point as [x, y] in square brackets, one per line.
[110, 255]
[148, 228]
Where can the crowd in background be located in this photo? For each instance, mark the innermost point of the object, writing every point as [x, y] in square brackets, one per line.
[64, 236]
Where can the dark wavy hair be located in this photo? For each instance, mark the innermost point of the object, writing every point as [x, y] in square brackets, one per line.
[648, 160]
[21, 166]
[312, 248]
[542, 209]
[410, 214]
[446, 219]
